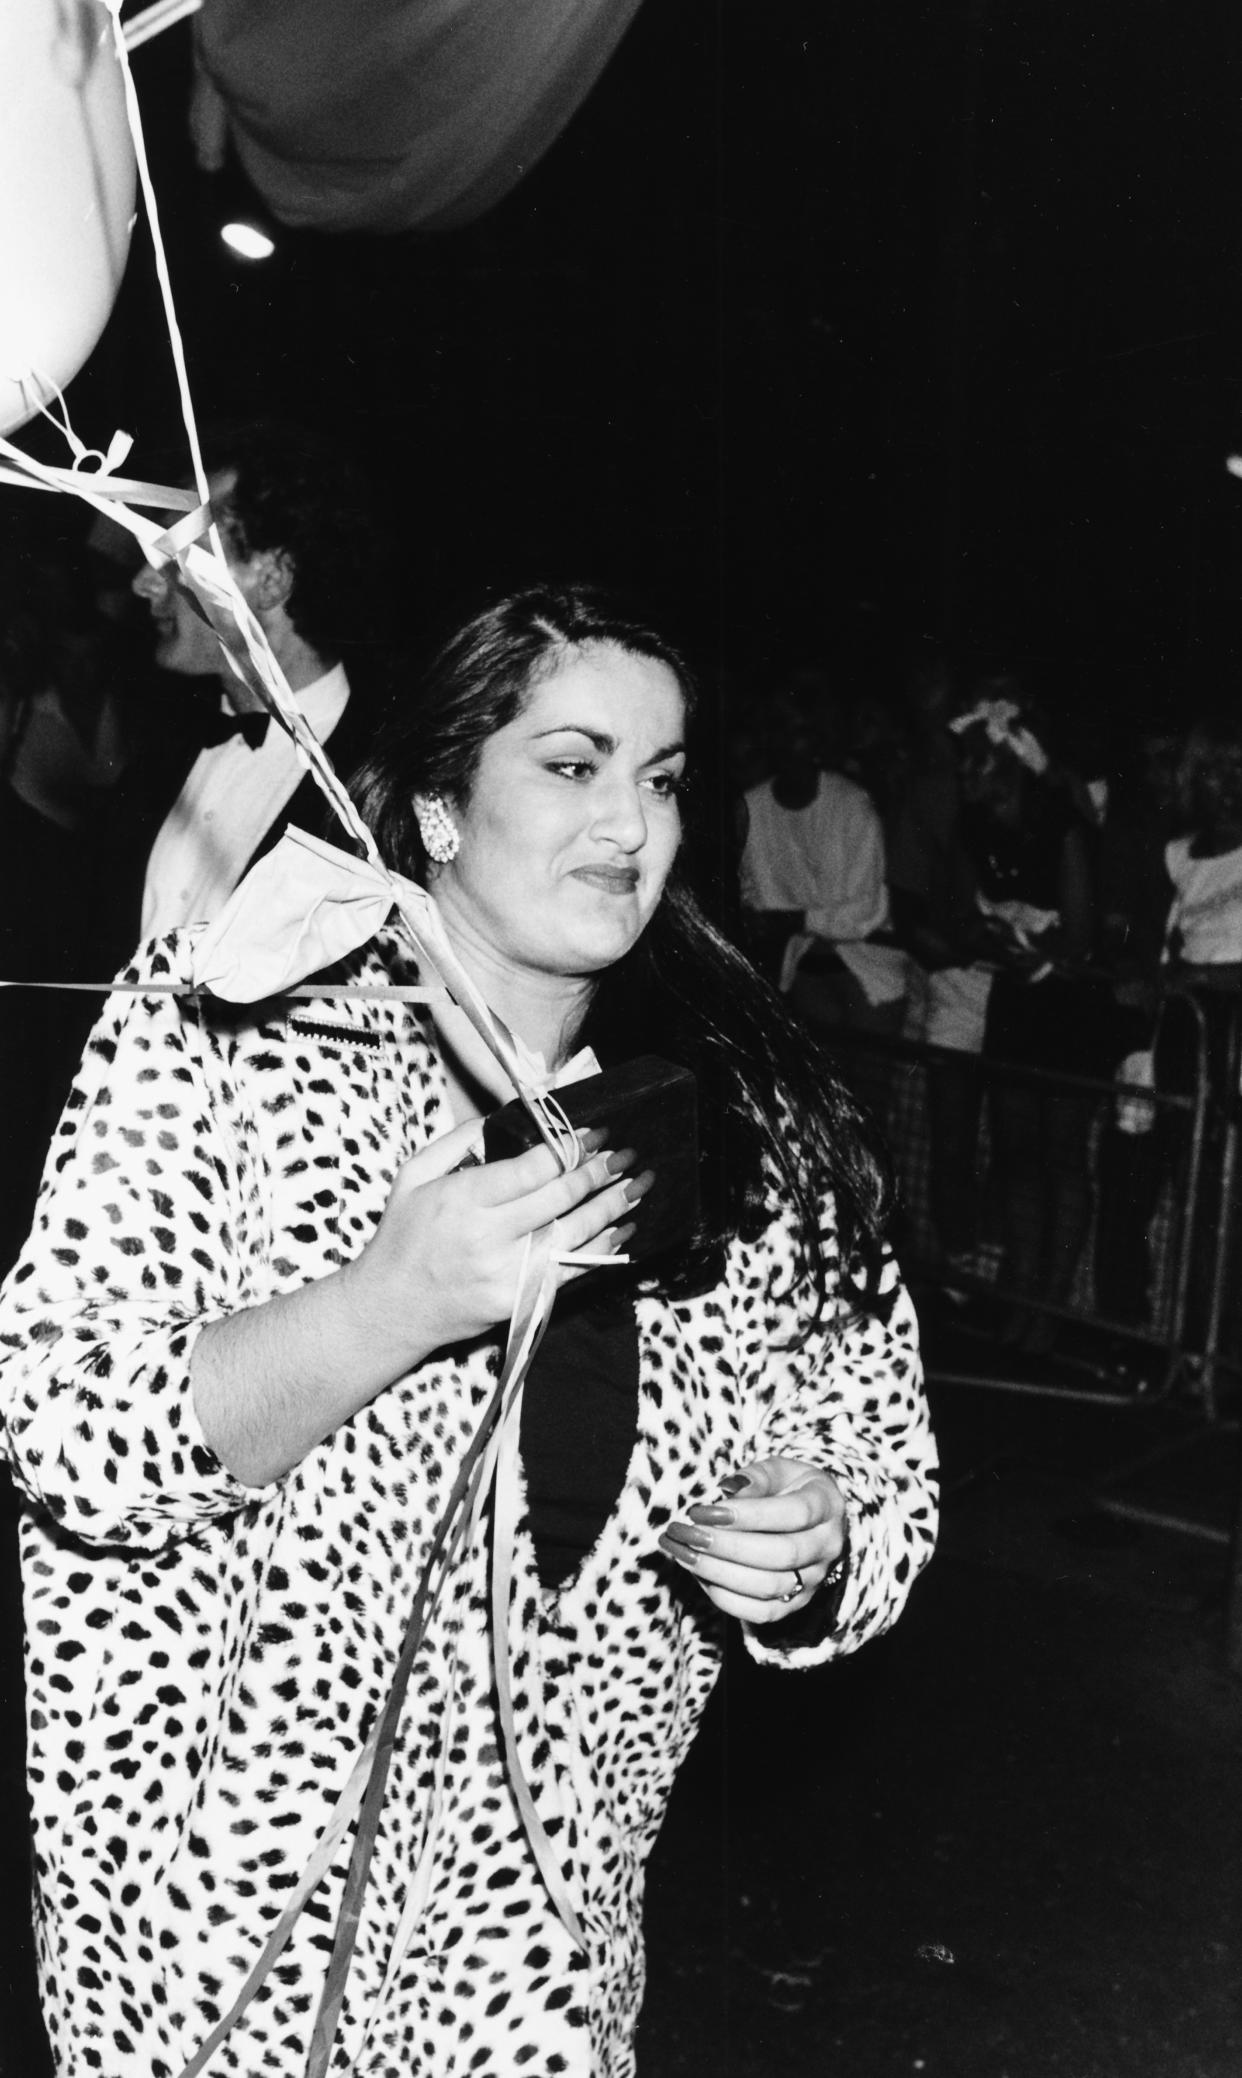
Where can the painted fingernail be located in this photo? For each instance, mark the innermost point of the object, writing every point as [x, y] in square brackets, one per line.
[679, 1552]
[685, 1533]
[593, 1139]
[623, 1233]
[640, 1186]
[736, 1483]
[623, 1159]
[717, 1517]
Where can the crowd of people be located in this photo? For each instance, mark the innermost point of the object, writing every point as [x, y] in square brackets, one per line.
[1034, 908]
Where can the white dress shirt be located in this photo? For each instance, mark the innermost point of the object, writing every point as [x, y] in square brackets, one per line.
[1207, 905]
[231, 797]
[827, 860]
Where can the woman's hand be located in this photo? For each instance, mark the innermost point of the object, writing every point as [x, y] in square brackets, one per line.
[443, 1264]
[765, 1550]
[272, 1381]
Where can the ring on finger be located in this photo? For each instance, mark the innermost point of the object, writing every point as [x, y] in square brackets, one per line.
[800, 1589]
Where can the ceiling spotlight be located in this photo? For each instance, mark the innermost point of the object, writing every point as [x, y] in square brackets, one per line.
[249, 240]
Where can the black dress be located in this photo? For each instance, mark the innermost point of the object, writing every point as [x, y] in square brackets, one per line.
[1057, 1022]
[579, 1421]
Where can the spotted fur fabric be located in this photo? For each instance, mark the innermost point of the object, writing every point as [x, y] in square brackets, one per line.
[204, 1659]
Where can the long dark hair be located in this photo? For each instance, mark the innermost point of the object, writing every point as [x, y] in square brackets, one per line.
[772, 1110]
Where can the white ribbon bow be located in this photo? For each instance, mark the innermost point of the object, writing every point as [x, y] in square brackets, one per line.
[1002, 723]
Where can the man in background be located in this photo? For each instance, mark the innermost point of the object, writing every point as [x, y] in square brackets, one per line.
[299, 535]
[814, 891]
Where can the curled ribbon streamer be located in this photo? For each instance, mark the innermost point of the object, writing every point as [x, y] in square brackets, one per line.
[506, 1505]
[118, 447]
[362, 1795]
[102, 492]
[101, 475]
[176, 346]
[309, 992]
[488, 1470]
[140, 28]
[492, 1471]
[371, 1768]
[420, 1882]
[167, 497]
[192, 528]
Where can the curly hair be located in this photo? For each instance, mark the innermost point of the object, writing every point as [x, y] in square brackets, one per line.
[296, 492]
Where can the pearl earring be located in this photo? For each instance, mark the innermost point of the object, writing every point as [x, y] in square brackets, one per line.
[440, 834]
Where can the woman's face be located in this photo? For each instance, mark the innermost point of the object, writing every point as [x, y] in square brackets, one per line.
[573, 820]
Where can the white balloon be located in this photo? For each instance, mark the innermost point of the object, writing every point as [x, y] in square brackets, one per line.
[66, 194]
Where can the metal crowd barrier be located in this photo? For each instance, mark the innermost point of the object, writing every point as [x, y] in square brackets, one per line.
[1185, 1342]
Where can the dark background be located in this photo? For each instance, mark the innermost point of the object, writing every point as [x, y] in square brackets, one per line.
[836, 325]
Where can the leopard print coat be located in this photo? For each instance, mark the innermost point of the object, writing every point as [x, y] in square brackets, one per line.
[204, 1659]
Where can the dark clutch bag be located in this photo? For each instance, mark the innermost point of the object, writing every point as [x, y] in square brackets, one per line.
[647, 1104]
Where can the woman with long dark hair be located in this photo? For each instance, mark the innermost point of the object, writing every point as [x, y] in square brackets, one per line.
[248, 1350]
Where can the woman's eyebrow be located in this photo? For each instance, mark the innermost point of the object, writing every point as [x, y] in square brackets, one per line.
[603, 743]
[598, 740]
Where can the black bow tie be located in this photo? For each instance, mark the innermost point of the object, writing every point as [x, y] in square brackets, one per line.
[252, 727]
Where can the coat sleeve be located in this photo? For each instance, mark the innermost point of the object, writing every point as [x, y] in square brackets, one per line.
[848, 1396]
[146, 1228]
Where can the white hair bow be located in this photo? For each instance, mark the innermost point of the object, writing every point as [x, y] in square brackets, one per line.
[1002, 723]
